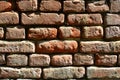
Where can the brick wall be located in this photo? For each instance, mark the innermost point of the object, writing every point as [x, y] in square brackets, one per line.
[59, 39]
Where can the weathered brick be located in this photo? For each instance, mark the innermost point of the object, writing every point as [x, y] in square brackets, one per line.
[115, 46]
[50, 5]
[85, 19]
[15, 33]
[9, 18]
[5, 6]
[97, 6]
[8, 72]
[1, 33]
[69, 32]
[61, 60]
[56, 46]
[43, 19]
[42, 33]
[113, 19]
[39, 60]
[119, 60]
[112, 32]
[30, 72]
[15, 47]
[63, 72]
[115, 5]
[23, 5]
[74, 6]
[95, 46]
[105, 60]
[102, 72]
[2, 59]
[83, 59]
[17, 60]
[93, 32]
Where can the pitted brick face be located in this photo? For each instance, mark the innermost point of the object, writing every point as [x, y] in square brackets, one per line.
[59, 39]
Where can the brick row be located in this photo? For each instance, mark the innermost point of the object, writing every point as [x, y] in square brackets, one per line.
[64, 32]
[58, 60]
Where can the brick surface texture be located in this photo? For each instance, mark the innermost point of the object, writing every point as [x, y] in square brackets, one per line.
[59, 39]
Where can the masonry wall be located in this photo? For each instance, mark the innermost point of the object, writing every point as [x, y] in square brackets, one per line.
[59, 39]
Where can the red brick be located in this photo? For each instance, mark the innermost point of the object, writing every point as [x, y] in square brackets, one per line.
[5, 6]
[105, 60]
[17, 60]
[74, 6]
[9, 18]
[49, 6]
[93, 32]
[15, 33]
[97, 6]
[112, 19]
[2, 59]
[61, 60]
[8, 72]
[83, 59]
[42, 33]
[112, 32]
[1, 32]
[103, 73]
[17, 46]
[39, 60]
[42, 18]
[85, 19]
[67, 32]
[23, 5]
[95, 46]
[63, 72]
[56, 46]
[115, 5]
